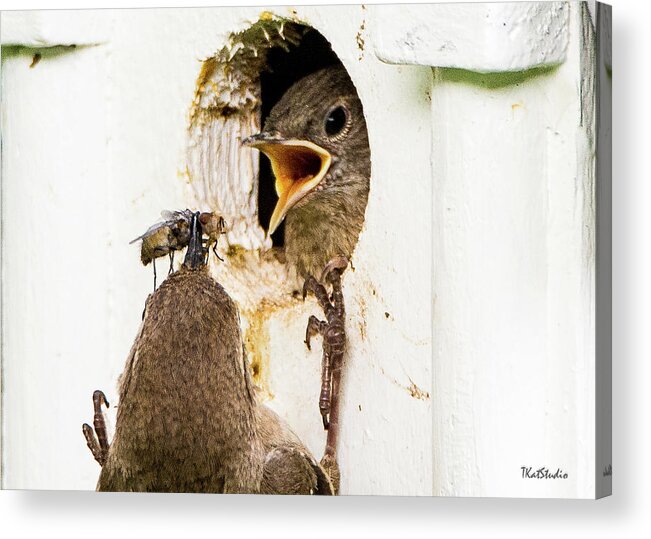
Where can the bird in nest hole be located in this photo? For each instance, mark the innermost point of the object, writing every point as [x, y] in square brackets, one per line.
[316, 140]
[317, 143]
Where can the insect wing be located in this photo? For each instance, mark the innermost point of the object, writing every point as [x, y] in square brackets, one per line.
[171, 215]
[175, 216]
[151, 230]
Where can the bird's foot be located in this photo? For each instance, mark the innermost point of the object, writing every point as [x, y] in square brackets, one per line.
[339, 263]
[334, 337]
[97, 439]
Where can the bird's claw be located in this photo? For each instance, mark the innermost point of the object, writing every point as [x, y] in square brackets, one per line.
[333, 333]
[330, 272]
[314, 327]
[337, 263]
[97, 439]
[310, 285]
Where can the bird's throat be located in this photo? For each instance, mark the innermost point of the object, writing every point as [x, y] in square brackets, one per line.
[326, 227]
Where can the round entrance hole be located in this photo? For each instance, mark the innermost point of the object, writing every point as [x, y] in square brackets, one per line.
[235, 91]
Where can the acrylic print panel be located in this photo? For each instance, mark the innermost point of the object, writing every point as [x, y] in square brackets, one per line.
[448, 152]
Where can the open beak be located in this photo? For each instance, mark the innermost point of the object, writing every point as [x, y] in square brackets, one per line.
[298, 166]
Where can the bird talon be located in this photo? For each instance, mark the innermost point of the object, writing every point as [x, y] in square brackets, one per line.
[337, 263]
[310, 285]
[99, 397]
[96, 436]
[314, 326]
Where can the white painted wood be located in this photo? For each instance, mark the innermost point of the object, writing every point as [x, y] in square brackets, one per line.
[96, 144]
[484, 37]
[471, 306]
[56, 311]
[53, 28]
[513, 259]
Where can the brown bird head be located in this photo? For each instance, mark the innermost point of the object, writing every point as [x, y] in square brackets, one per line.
[316, 140]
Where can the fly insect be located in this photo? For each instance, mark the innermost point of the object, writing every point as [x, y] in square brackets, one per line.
[213, 226]
[173, 234]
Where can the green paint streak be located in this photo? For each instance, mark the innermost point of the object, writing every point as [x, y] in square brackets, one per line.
[17, 51]
[493, 81]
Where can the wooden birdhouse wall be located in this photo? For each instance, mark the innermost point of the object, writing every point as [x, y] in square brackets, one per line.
[470, 304]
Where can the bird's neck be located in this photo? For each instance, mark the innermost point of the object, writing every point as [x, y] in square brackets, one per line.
[325, 226]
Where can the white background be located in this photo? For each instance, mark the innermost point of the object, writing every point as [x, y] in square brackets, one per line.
[75, 513]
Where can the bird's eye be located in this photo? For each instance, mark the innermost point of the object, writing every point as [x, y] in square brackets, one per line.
[336, 121]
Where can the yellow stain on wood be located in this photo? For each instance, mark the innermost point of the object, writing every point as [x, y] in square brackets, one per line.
[256, 341]
[361, 323]
[235, 251]
[413, 390]
[517, 106]
[184, 175]
[359, 38]
[417, 392]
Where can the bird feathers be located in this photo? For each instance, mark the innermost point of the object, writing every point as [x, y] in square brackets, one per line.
[188, 419]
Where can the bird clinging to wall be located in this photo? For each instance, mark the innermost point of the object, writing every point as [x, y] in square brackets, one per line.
[316, 140]
[188, 418]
